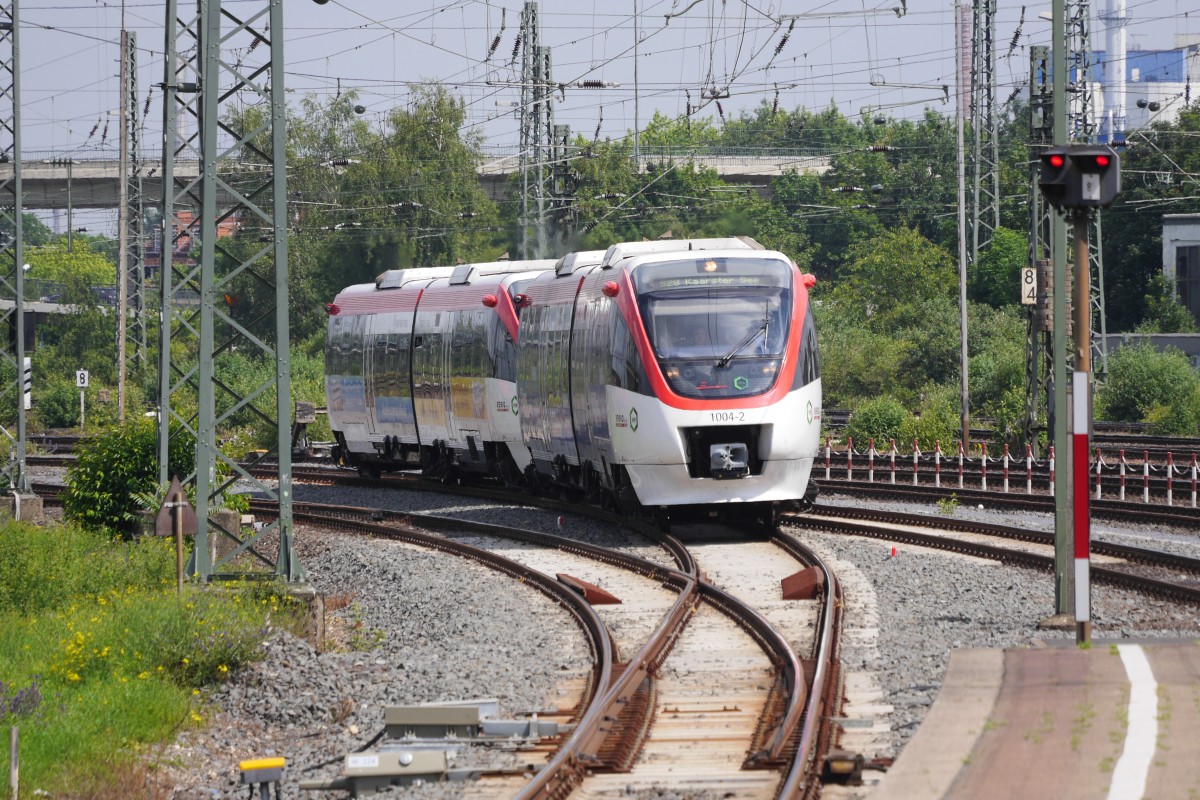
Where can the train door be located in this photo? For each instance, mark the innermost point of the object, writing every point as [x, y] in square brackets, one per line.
[530, 392]
[467, 374]
[389, 376]
[589, 362]
[429, 373]
[344, 386]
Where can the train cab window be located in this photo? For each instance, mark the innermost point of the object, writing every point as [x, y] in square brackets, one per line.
[718, 326]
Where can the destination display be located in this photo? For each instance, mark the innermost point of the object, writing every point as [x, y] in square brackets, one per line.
[716, 273]
[708, 280]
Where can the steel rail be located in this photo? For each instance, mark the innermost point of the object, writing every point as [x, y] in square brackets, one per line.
[599, 637]
[1139, 555]
[816, 731]
[1100, 574]
[1183, 516]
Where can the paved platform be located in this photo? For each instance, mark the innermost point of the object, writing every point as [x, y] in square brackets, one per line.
[1120, 720]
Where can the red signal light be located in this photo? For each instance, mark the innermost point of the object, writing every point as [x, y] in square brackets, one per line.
[1055, 160]
[611, 289]
[490, 300]
[1102, 161]
[332, 309]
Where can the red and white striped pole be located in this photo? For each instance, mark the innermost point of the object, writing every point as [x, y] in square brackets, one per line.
[960, 464]
[1170, 478]
[826, 458]
[1081, 418]
[1193, 480]
[1052, 492]
[1145, 476]
[893, 467]
[917, 455]
[1123, 463]
[1028, 469]
[1006, 467]
[1099, 465]
[983, 467]
[870, 461]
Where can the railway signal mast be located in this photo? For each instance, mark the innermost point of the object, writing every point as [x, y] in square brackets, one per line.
[1078, 180]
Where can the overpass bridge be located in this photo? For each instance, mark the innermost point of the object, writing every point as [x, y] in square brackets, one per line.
[93, 176]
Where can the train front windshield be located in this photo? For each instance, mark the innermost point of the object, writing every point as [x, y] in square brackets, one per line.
[718, 325]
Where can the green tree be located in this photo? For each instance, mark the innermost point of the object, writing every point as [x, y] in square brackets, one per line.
[363, 200]
[996, 278]
[1155, 179]
[82, 267]
[1164, 312]
[890, 277]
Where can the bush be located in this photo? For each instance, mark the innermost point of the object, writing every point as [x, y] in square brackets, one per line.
[1141, 377]
[56, 405]
[938, 421]
[114, 469]
[879, 419]
[1176, 419]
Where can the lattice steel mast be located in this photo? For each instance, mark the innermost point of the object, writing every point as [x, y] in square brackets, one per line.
[985, 159]
[15, 389]
[1037, 333]
[1081, 119]
[537, 134]
[241, 188]
[135, 234]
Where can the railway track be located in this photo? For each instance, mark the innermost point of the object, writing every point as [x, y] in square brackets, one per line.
[750, 715]
[1151, 572]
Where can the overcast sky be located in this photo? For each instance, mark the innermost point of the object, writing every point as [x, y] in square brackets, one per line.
[862, 56]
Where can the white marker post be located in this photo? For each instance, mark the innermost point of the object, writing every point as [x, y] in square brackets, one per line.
[81, 380]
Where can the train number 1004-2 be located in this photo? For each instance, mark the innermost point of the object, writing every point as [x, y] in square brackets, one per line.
[728, 416]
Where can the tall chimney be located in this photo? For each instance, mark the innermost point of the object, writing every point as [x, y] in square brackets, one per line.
[1115, 20]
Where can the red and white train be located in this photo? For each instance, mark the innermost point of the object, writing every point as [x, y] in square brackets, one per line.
[673, 376]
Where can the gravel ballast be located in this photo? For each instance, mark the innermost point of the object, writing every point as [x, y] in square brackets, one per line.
[436, 636]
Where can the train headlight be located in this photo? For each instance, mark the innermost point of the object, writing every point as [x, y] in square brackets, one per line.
[332, 309]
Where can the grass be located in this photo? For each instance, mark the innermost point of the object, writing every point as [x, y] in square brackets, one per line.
[100, 659]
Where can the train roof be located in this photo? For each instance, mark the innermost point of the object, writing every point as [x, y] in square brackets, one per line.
[465, 273]
[395, 278]
[577, 260]
[629, 249]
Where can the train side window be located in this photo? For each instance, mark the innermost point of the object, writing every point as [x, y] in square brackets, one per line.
[354, 347]
[626, 362]
[809, 368]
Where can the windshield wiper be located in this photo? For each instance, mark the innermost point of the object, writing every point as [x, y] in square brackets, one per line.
[750, 337]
